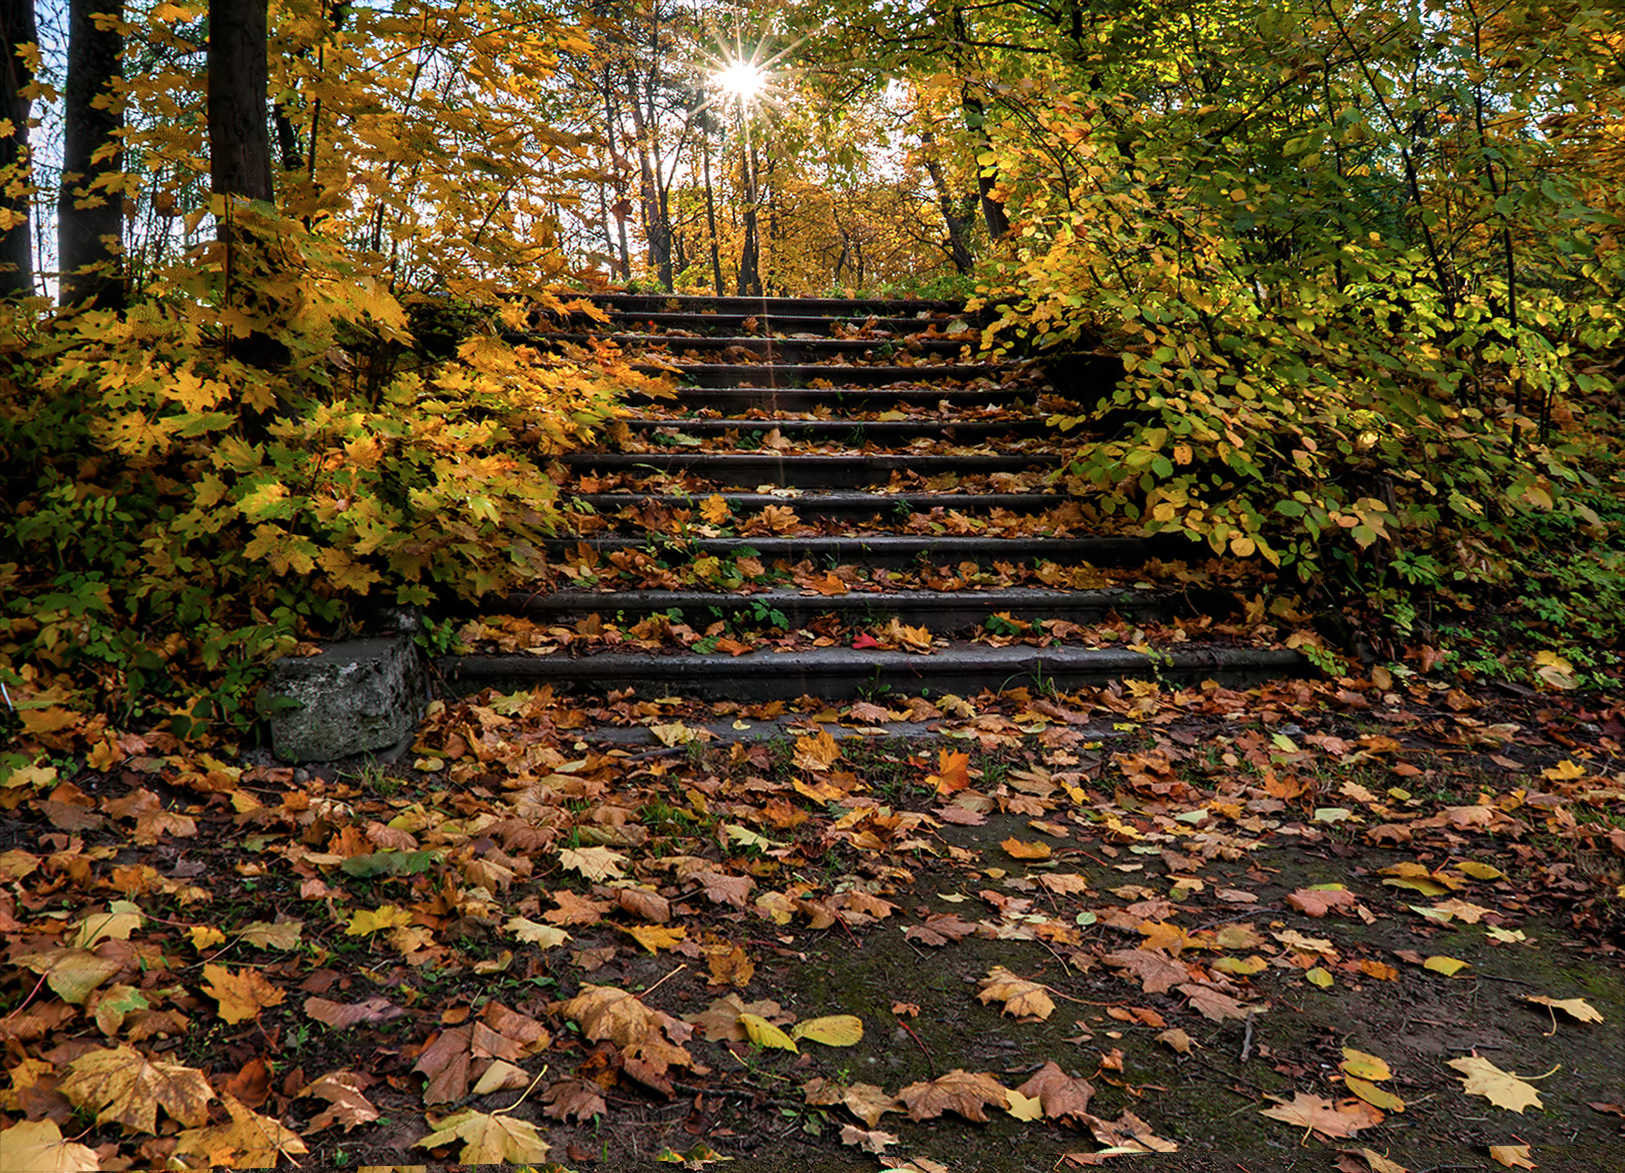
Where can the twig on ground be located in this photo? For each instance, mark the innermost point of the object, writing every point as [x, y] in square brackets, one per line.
[1247, 1038]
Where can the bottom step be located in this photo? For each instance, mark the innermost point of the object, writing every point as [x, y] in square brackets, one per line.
[838, 673]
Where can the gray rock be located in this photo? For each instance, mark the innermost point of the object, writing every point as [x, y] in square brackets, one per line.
[361, 696]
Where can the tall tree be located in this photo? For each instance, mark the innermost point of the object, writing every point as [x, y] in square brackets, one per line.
[90, 207]
[239, 135]
[17, 34]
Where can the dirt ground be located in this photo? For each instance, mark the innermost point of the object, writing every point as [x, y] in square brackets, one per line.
[1163, 884]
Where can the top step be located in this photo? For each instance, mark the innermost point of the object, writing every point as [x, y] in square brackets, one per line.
[691, 303]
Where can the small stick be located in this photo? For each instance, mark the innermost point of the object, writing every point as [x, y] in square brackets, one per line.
[930, 1063]
[664, 980]
[1247, 1038]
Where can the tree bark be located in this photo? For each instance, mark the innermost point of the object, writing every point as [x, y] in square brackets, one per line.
[998, 224]
[711, 218]
[239, 138]
[16, 248]
[90, 219]
[957, 223]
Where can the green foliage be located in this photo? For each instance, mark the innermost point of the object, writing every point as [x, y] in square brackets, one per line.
[1358, 316]
[176, 514]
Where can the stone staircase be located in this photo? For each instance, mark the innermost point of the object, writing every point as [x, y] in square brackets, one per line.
[844, 498]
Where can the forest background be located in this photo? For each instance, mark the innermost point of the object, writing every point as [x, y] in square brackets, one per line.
[264, 266]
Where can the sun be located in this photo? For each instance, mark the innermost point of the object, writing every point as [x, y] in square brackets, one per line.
[741, 79]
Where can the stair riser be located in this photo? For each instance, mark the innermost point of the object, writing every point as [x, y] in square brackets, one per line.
[804, 472]
[767, 677]
[734, 400]
[856, 433]
[734, 323]
[887, 552]
[892, 509]
[775, 307]
[799, 376]
[779, 350]
[961, 612]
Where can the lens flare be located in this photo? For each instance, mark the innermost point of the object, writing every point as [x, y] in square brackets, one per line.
[742, 79]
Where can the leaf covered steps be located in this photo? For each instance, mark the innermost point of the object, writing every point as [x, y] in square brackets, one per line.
[856, 499]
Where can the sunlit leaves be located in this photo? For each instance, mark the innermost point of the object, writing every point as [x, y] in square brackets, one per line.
[1504, 1089]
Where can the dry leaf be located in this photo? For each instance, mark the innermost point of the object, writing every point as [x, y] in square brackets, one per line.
[340, 1015]
[834, 1030]
[577, 1099]
[1156, 971]
[1317, 902]
[596, 863]
[1021, 998]
[1019, 850]
[1504, 1089]
[1214, 1004]
[488, 1139]
[1062, 1095]
[1372, 1094]
[37, 1146]
[964, 1092]
[1576, 1008]
[604, 1012]
[250, 1141]
[1512, 1156]
[128, 1088]
[764, 1034]
[536, 933]
[347, 1103]
[1024, 1107]
[1364, 1066]
[1176, 1040]
[1129, 1134]
[1324, 1117]
[874, 1142]
[445, 1063]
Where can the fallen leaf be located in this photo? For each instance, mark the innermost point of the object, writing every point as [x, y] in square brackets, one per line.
[953, 772]
[1155, 971]
[1364, 1066]
[128, 1088]
[1504, 1089]
[347, 1102]
[964, 1092]
[250, 1141]
[1322, 1116]
[282, 934]
[1019, 850]
[764, 1034]
[445, 1064]
[1449, 966]
[1024, 1107]
[1576, 1008]
[1214, 1004]
[1376, 1162]
[488, 1139]
[1021, 998]
[595, 863]
[1512, 1156]
[1061, 1095]
[577, 1099]
[1318, 902]
[367, 921]
[37, 1146]
[834, 1030]
[242, 995]
[1176, 1040]
[1372, 1094]
[605, 1012]
[1129, 1134]
[874, 1142]
[536, 933]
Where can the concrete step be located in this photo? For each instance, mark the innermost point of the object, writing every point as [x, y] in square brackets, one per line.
[923, 395]
[939, 611]
[736, 323]
[894, 551]
[833, 307]
[855, 471]
[778, 349]
[844, 375]
[839, 672]
[851, 507]
[853, 432]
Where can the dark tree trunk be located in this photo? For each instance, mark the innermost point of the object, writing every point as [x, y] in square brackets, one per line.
[90, 219]
[957, 222]
[998, 224]
[16, 248]
[711, 218]
[239, 138]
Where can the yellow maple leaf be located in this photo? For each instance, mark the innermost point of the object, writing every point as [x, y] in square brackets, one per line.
[242, 995]
[367, 921]
[1501, 1088]
[1020, 850]
[1021, 998]
[715, 509]
[596, 863]
[654, 938]
[489, 1139]
[250, 1141]
[37, 1146]
[128, 1088]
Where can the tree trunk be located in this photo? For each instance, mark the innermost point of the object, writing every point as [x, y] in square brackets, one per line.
[90, 219]
[958, 224]
[711, 218]
[998, 224]
[239, 139]
[656, 224]
[16, 247]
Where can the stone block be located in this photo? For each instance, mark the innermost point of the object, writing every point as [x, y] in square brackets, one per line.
[360, 696]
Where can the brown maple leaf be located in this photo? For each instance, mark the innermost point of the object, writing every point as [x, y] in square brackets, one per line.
[347, 1102]
[445, 1063]
[1061, 1094]
[1324, 1117]
[939, 929]
[1214, 1004]
[577, 1099]
[1155, 971]
[967, 1093]
[340, 1015]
